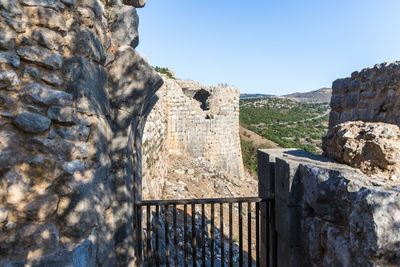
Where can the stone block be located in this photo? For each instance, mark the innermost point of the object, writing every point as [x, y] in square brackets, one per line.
[43, 95]
[337, 101]
[340, 86]
[288, 222]
[374, 223]
[41, 56]
[288, 256]
[334, 118]
[287, 181]
[86, 81]
[31, 122]
[351, 100]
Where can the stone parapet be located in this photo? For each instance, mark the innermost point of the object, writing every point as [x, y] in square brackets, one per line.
[329, 214]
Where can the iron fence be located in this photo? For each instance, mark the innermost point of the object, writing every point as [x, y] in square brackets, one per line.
[165, 237]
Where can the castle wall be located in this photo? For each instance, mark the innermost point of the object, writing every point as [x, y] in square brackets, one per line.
[74, 96]
[180, 124]
[370, 95]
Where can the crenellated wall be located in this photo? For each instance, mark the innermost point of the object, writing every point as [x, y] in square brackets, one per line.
[194, 119]
[74, 96]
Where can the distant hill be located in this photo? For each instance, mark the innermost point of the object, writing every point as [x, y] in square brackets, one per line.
[254, 96]
[322, 95]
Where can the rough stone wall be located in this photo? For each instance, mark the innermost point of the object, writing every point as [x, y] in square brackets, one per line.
[194, 119]
[369, 95]
[74, 96]
[329, 214]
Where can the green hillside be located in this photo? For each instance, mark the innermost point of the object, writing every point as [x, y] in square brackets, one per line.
[288, 123]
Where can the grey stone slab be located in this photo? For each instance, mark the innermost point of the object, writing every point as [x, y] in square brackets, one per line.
[288, 223]
[31, 122]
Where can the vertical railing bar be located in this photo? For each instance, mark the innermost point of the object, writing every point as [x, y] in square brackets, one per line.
[185, 250]
[203, 236]
[249, 257]
[148, 239]
[166, 225]
[175, 237]
[272, 233]
[240, 235]
[268, 236]
[139, 235]
[157, 239]
[194, 234]
[230, 236]
[221, 231]
[258, 235]
[212, 235]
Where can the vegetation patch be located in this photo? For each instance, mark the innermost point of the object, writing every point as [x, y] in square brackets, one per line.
[288, 123]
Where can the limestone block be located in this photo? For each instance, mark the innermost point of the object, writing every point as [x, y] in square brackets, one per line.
[11, 6]
[374, 223]
[86, 81]
[47, 18]
[43, 95]
[74, 133]
[40, 56]
[8, 79]
[287, 222]
[340, 86]
[31, 122]
[7, 40]
[124, 29]
[62, 114]
[18, 24]
[9, 58]
[337, 101]
[56, 4]
[287, 181]
[52, 79]
[48, 38]
[86, 43]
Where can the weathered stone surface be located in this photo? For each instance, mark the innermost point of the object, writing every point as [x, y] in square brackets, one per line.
[53, 79]
[18, 24]
[41, 57]
[124, 70]
[14, 187]
[31, 122]
[62, 149]
[47, 18]
[73, 166]
[47, 38]
[124, 30]
[7, 40]
[43, 95]
[87, 44]
[56, 4]
[8, 79]
[86, 81]
[371, 147]
[374, 224]
[62, 114]
[10, 58]
[74, 133]
[40, 208]
[31, 73]
[11, 6]
[135, 3]
[3, 214]
[96, 5]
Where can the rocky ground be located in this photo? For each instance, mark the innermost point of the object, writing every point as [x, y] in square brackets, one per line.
[190, 177]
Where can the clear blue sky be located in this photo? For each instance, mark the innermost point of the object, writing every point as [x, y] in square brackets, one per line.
[269, 46]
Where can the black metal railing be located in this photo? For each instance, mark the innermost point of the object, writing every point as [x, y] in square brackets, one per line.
[165, 237]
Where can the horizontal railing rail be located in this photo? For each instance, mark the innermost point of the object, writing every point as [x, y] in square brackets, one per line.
[170, 239]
